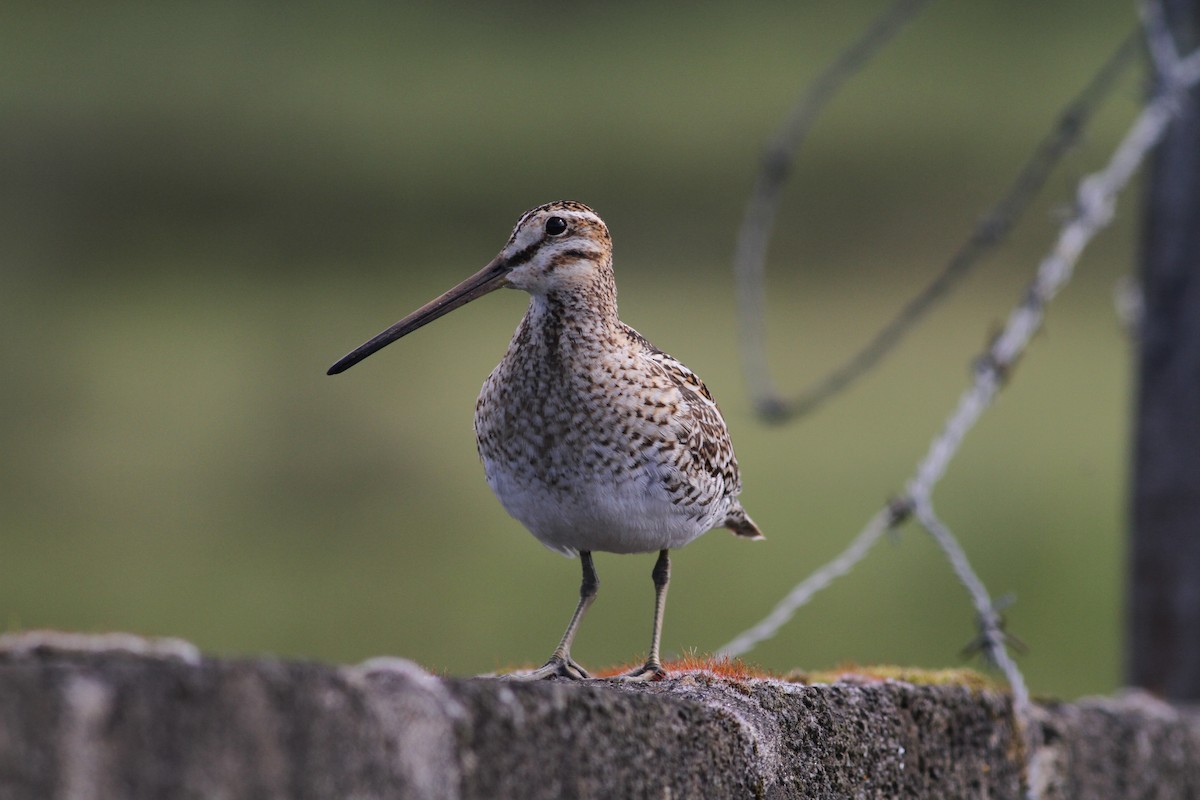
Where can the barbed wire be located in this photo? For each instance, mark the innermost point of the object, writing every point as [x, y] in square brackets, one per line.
[801, 593]
[759, 221]
[1095, 203]
[991, 230]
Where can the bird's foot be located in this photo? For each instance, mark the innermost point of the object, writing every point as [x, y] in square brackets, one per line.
[556, 667]
[650, 671]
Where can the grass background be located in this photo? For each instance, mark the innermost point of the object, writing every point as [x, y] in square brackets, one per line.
[203, 206]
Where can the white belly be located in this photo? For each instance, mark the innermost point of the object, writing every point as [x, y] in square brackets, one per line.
[596, 441]
[625, 513]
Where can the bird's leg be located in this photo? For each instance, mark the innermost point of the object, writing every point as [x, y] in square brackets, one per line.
[561, 664]
[652, 670]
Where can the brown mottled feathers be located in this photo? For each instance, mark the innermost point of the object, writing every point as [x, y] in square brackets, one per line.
[591, 436]
[707, 439]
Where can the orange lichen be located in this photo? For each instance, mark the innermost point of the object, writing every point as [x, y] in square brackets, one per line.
[736, 670]
[717, 666]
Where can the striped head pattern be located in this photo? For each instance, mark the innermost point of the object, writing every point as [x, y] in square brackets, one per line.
[557, 246]
[561, 248]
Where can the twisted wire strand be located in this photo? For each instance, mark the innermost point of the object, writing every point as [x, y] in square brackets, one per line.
[991, 231]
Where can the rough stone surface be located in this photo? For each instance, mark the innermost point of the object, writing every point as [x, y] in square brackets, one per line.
[104, 717]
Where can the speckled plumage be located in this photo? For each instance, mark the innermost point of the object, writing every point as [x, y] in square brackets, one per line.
[592, 437]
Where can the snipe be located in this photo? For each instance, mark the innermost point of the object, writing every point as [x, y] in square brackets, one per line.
[592, 437]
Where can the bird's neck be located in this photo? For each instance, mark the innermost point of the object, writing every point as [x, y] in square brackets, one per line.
[572, 317]
[592, 302]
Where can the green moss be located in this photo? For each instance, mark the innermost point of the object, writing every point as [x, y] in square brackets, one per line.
[853, 673]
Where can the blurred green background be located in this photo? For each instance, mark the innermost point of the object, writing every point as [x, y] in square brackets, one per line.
[202, 206]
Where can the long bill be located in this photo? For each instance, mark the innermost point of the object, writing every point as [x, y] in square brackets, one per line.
[488, 279]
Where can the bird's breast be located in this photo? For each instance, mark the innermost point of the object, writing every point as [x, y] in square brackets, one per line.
[561, 425]
[583, 448]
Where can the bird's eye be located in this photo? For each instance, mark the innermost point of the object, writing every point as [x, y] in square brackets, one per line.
[556, 226]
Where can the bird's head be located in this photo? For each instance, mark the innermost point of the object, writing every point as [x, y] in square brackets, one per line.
[556, 247]
[559, 247]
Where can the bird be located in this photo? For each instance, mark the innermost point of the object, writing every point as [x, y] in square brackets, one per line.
[590, 436]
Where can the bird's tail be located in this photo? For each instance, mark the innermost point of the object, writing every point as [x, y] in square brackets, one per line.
[740, 523]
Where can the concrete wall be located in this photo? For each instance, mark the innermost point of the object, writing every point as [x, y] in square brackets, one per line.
[122, 717]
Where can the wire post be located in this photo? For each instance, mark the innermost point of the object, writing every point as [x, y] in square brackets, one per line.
[1163, 640]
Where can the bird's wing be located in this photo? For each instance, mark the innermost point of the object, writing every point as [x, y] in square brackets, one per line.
[707, 456]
